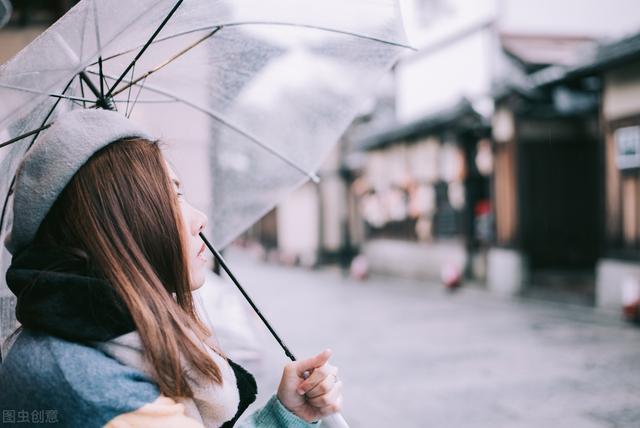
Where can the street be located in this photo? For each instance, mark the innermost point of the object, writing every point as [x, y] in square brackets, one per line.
[412, 355]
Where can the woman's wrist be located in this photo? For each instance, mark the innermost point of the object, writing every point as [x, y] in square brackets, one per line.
[292, 411]
[285, 417]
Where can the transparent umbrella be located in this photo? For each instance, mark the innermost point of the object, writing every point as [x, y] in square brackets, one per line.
[249, 95]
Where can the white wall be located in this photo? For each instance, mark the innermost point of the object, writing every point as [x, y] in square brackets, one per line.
[435, 82]
[465, 65]
[334, 206]
[596, 18]
[450, 17]
[622, 93]
[298, 218]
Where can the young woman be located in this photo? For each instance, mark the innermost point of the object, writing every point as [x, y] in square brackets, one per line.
[105, 252]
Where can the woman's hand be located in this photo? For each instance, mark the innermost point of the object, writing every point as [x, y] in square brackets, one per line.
[316, 397]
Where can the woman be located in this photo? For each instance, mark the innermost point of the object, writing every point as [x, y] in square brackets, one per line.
[105, 252]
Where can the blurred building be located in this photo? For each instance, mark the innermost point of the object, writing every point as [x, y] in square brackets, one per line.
[493, 150]
[547, 195]
[556, 215]
[422, 193]
[566, 176]
[616, 68]
[456, 157]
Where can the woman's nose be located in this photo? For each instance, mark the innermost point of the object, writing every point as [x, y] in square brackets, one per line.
[199, 222]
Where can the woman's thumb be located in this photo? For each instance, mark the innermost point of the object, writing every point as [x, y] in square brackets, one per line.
[314, 362]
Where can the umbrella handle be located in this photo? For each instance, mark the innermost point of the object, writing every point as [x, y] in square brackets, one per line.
[332, 421]
[335, 421]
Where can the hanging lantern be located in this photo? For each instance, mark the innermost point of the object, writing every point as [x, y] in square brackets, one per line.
[484, 157]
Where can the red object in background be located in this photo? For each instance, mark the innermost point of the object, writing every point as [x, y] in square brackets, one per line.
[482, 207]
[451, 276]
[631, 312]
[359, 268]
[631, 299]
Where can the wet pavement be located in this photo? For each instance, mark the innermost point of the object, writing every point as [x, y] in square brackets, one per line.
[412, 355]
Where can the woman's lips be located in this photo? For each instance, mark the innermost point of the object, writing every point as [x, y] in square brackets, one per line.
[201, 250]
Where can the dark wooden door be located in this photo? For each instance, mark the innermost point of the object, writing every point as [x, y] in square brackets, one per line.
[559, 193]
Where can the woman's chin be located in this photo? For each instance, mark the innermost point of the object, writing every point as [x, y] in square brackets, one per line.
[197, 282]
[198, 276]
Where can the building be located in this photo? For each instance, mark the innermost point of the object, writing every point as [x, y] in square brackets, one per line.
[445, 109]
[502, 86]
[423, 195]
[547, 187]
[616, 67]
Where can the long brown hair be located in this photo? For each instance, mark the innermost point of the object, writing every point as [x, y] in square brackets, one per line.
[120, 209]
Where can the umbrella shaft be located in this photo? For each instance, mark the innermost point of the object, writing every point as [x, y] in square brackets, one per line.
[224, 266]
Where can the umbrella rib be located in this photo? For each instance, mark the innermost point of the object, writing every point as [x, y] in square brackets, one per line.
[82, 31]
[82, 99]
[321, 28]
[101, 77]
[230, 125]
[275, 23]
[135, 101]
[126, 108]
[84, 104]
[25, 135]
[44, 70]
[96, 22]
[145, 102]
[97, 25]
[167, 62]
[90, 85]
[144, 48]
[33, 91]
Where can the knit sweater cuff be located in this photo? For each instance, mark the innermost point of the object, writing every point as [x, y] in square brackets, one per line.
[274, 414]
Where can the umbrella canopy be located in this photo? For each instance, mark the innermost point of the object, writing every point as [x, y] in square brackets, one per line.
[250, 95]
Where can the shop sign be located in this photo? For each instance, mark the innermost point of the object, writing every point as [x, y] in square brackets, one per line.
[627, 142]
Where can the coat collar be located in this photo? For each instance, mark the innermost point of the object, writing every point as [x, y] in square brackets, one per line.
[59, 293]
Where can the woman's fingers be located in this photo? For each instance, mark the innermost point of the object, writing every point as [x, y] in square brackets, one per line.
[332, 408]
[312, 363]
[310, 388]
[320, 382]
[329, 400]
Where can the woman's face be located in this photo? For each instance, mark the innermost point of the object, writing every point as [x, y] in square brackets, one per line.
[193, 222]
